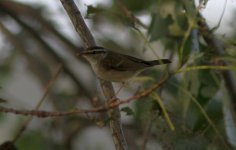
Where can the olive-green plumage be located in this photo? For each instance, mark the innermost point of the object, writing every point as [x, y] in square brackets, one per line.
[117, 67]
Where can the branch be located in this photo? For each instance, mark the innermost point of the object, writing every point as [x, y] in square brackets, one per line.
[219, 48]
[108, 90]
[35, 14]
[78, 22]
[40, 102]
[48, 49]
[130, 15]
[115, 104]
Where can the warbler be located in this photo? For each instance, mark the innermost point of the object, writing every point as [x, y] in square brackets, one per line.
[116, 67]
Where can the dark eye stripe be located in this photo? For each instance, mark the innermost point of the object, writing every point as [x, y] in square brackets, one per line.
[95, 48]
[93, 52]
[98, 51]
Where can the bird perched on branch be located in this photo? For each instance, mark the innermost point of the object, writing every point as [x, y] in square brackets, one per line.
[116, 67]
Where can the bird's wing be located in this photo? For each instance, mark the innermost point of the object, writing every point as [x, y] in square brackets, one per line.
[123, 62]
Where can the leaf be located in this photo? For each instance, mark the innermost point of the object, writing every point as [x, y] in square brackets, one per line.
[126, 21]
[138, 5]
[214, 110]
[156, 97]
[8, 146]
[105, 122]
[186, 51]
[34, 140]
[168, 22]
[142, 109]
[128, 111]
[101, 123]
[3, 100]
[203, 86]
[159, 27]
[91, 10]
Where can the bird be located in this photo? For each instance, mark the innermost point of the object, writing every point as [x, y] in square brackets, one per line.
[116, 67]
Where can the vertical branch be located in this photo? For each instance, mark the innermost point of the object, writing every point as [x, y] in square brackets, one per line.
[227, 75]
[78, 22]
[114, 114]
[219, 47]
[88, 40]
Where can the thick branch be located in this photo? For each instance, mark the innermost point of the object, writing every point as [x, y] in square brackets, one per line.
[88, 40]
[78, 22]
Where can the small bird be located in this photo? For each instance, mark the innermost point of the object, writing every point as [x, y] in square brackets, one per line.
[116, 67]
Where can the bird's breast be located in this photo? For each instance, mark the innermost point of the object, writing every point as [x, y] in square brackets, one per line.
[112, 74]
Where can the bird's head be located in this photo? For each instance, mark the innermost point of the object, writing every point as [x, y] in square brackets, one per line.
[93, 54]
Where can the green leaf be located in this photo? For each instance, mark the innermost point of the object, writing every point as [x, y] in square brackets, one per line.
[169, 21]
[104, 122]
[128, 111]
[126, 20]
[2, 100]
[138, 5]
[203, 86]
[156, 107]
[186, 51]
[32, 140]
[142, 109]
[93, 10]
[8, 145]
[159, 27]
[214, 110]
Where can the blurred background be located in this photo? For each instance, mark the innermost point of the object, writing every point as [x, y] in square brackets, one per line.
[37, 35]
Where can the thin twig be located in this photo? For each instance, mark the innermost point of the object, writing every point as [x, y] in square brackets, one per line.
[46, 91]
[49, 49]
[34, 14]
[148, 130]
[35, 65]
[115, 104]
[130, 15]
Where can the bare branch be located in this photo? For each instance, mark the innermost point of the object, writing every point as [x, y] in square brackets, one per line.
[78, 22]
[49, 49]
[130, 15]
[46, 92]
[108, 90]
[115, 104]
[219, 47]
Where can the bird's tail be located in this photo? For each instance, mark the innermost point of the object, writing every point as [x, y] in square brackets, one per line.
[157, 62]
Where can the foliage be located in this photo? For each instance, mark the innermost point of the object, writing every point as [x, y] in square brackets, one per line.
[186, 112]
